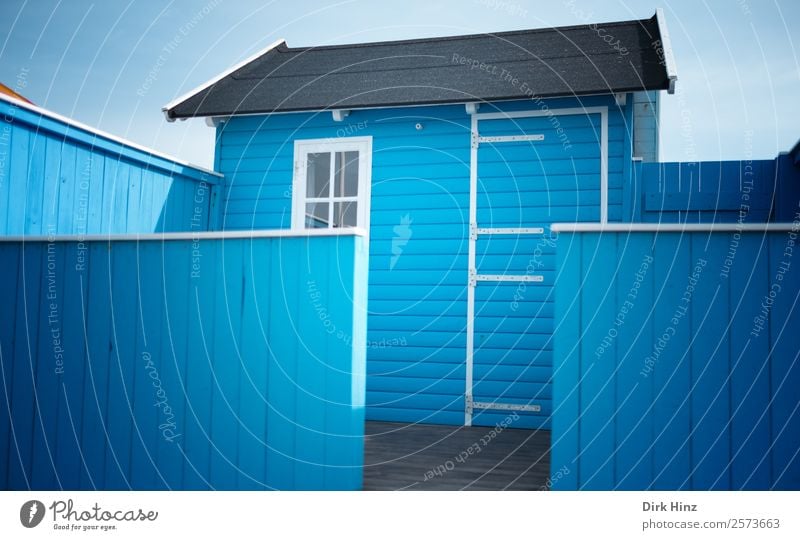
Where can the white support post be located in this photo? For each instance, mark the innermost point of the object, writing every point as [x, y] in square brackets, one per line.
[604, 166]
[473, 225]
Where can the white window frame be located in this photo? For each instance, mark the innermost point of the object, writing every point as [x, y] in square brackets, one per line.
[303, 147]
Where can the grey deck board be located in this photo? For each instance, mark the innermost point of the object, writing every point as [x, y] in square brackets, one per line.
[404, 456]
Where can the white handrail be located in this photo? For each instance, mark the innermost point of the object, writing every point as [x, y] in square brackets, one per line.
[204, 235]
[675, 227]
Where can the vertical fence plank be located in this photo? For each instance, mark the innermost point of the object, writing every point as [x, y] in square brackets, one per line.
[671, 363]
[10, 285]
[26, 359]
[253, 372]
[83, 189]
[227, 362]
[94, 438]
[67, 188]
[124, 305]
[199, 376]
[749, 366]
[146, 367]
[597, 390]
[566, 362]
[18, 192]
[172, 370]
[634, 455]
[50, 190]
[119, 213]
[785, 363]
[71, 391]
[110, 168]
[35, 185]
[345, 366]
[50, 321]
[6, 131]
[97, 189]
[710, 438]
[312, 326]
[282, 390]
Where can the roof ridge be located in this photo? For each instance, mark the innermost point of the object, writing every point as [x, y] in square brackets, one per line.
[288, 49]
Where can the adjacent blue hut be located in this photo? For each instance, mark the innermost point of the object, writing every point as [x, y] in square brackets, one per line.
[456, 154]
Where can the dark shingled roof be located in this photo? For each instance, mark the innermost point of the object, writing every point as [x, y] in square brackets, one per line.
[574, 60]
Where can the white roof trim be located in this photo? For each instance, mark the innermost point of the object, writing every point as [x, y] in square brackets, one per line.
[94, 131]
[193, 236]
[673, 227]
[216, 79]
[666, 46]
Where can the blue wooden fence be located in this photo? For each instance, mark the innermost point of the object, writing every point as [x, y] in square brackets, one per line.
[748, 191]
[60, 177]
[676, 358]
[196, 362]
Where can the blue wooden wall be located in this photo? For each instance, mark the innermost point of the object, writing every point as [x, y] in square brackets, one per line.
[183, 364]
[676, 360]
[59, 178]
[419, 235]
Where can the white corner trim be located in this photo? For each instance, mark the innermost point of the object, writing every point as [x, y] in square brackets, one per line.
[673, 227]
[219, 77]
[340, 114]
[472, 108]
[666, 46]
[94, 131]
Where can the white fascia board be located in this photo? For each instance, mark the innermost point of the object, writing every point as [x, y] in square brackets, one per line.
[218, 78]
[666, 46]
[102, 134]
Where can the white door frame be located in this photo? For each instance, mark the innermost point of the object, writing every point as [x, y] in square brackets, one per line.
[474, 231]
[303, 147]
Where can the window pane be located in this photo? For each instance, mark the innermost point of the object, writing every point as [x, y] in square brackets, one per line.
[346, 214]
[317, 215]
[318, 174]
[346, 174]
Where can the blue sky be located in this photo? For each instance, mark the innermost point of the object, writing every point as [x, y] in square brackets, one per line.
[114, 63]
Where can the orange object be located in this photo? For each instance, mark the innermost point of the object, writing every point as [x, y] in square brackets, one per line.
[9, 92]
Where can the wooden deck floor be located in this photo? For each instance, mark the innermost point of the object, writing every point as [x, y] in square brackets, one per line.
[426, 457]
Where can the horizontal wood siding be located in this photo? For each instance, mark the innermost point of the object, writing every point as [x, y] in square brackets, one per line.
[419, 237]
[183, 365]
[675, 363]
[57, 179]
